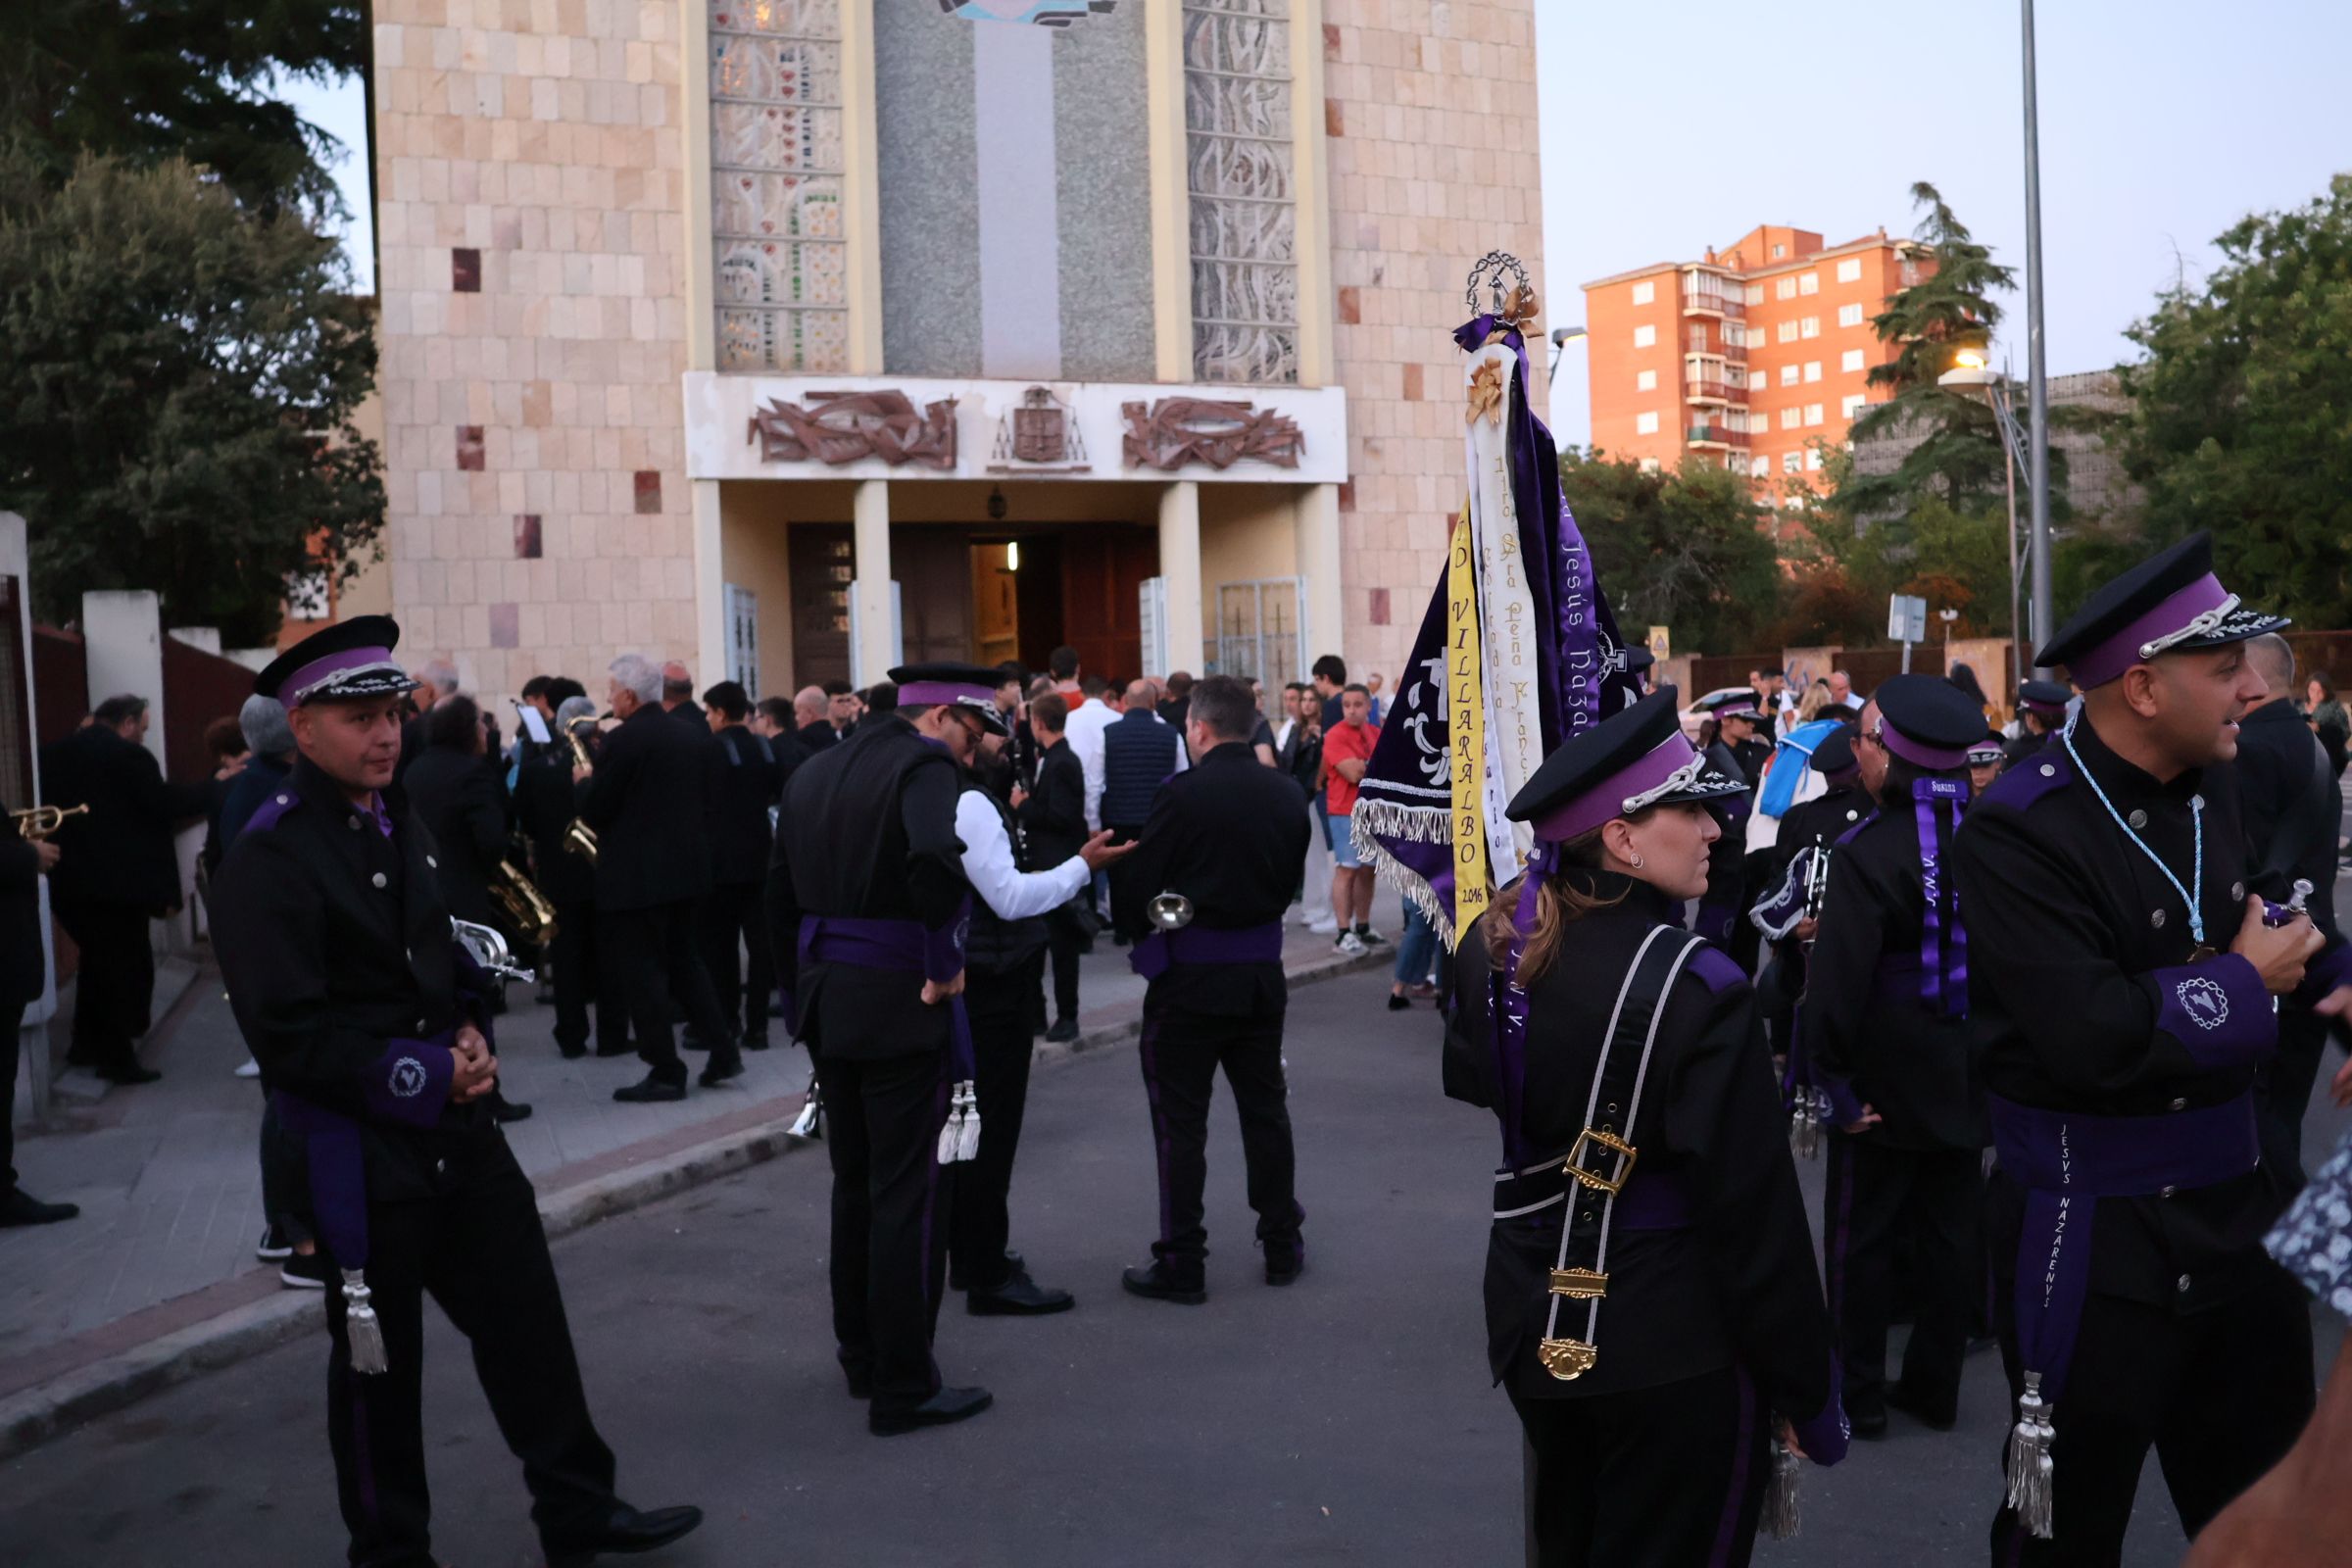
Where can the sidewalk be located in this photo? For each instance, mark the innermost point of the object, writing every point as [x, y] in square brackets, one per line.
[157, 1279]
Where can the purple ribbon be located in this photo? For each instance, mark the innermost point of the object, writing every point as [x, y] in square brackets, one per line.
[1193, 944]
[338, 1170]
[1942, 957]
[1510, 1004]
[869, 942]
[2066, 1163]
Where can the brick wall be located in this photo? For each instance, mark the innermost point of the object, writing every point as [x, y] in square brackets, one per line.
[530, 202]
[1431, 120]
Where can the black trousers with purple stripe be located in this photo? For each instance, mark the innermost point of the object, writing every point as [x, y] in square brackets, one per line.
[1181, 1053]
[482, 1255]
[891, 1218]
[1665, 1477]
[1931, 1199]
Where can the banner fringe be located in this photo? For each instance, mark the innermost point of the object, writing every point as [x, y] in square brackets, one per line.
[1393, 873]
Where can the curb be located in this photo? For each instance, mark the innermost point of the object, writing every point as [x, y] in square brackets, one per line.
[50, 1410]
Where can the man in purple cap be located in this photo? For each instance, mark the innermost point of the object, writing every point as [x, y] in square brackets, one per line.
[373, 1037]
[2123, 980]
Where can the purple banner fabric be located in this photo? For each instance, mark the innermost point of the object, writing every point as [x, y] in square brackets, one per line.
[2219, 1011]
[901, 945]
[1507, 1004]
[2067, 1163]
[410, 1082]
[1942, 938]
[1255, 944]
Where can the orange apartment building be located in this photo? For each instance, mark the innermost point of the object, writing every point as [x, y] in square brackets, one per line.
[1755, 356]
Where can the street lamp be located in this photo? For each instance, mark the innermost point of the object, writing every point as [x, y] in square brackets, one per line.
[1971, 378]
[2037, 391]
[1561, 337]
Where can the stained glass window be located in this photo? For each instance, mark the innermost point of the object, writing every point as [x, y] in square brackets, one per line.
[1240, 174]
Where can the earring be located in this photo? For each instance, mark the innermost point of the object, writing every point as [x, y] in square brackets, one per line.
[1637, 862]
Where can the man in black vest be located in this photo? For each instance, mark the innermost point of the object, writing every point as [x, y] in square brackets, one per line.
[647, 800]
[372, 1036]
[1004, 958]
[1228, 837]
[750, 780]
[867, 907]
[1141, 751]
[2120, 973]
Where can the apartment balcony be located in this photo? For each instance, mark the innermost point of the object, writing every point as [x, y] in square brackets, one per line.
[1718, 437]
[1720, 305]
[1710, 389]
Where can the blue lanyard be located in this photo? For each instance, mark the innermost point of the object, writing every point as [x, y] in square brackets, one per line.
[2196, 817]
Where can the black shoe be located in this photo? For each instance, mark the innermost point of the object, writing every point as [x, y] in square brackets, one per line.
[606, 1047]
[1063, 1033]
[1939, 1417]
[626, 1532]
[692, 1040]
[273, 1245]
[572, 1053]
[504, 1110]
[126, 1071]
[755, 1042]
[861, 1384]
[1399, 1002]
[304, 1271]
[1018, 1296]
[726, 1062]
[955, 1277]
[1153, 1282]
[947, 1406]
[19, 1207]
[1866, 1412]
[1285, 1261]
[650, 1089]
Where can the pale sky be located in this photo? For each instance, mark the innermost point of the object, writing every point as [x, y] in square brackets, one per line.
[2163, 123]
[1665, 130]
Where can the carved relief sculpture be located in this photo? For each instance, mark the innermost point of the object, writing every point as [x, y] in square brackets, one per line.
[839, 427]
[1040, 437]
[1175, 431]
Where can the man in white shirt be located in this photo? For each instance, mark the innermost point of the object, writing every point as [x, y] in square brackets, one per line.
[1004, 954]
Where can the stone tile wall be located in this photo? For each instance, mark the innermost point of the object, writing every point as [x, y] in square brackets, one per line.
[1430, 116]
[532, 195]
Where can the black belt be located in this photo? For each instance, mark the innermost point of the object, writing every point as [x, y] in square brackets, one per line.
[1600, 1162]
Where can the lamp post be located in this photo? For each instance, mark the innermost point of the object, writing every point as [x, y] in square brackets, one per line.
[1970, 376]
[2038, 392]
[1561, 337]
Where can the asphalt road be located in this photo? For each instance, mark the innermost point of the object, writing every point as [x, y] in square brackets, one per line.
[1344, 1420]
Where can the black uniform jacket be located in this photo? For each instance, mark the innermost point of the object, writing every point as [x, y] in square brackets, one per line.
[2025, 746]
[24, 964]
[1823, 819]
[121, 852]
[1228, 835]
[335, 946]
[1726, 857]
[2287, 792]
[868, 830]
[2071, 931]
[544, 803]
[1739, 1286]
[452, 794]
[1870, 1037]
[649, 801]
[1054, 815]
[749, 780]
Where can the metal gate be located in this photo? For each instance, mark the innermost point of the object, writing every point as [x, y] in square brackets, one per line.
[1261, 630]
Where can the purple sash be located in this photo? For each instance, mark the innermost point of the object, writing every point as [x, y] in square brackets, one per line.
[338, 1170]
[2059, 1158]
[1653, 1200]
[1193, 944]
[1507, 1002]
[898, 944]
[1942, 938]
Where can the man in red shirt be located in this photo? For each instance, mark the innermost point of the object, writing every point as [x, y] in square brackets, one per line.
[1347, 752]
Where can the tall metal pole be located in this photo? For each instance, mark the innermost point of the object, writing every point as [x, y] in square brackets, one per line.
[2036, 376]
[2003, 416]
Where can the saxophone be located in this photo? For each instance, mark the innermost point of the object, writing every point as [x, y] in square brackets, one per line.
[580, 838]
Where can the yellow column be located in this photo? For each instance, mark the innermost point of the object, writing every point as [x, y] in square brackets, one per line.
[702, 305]
[860, 193]
[1317, 521]
[1171, 206]
[710, 582]
[870, 538]
[1311, 166]
[1180, 568]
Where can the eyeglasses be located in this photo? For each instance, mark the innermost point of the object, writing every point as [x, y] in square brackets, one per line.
[1875, 737]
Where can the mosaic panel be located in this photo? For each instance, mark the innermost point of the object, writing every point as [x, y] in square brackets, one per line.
[776, 163]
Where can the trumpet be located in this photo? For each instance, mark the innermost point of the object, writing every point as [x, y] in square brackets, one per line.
[580, 838]
[1169, 912]
[489, 949]
[1817, 879]
[38, 822]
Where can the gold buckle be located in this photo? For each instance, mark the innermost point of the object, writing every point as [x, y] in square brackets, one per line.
[1578, 1284]
[1567, 1359]
[1574, 1164]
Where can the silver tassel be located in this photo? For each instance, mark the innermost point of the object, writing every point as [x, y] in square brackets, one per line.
[2030, 1489]
[1804, 1124]
[360, 1327]
[967, 1136]
[1780, 1516]
[810, 1122]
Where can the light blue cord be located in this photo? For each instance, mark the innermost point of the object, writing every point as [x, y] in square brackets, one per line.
[2196, 815]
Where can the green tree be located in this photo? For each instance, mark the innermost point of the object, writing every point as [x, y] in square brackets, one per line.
[1684, 550]
[2242, 415]
[153, 80]
[177, 379]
